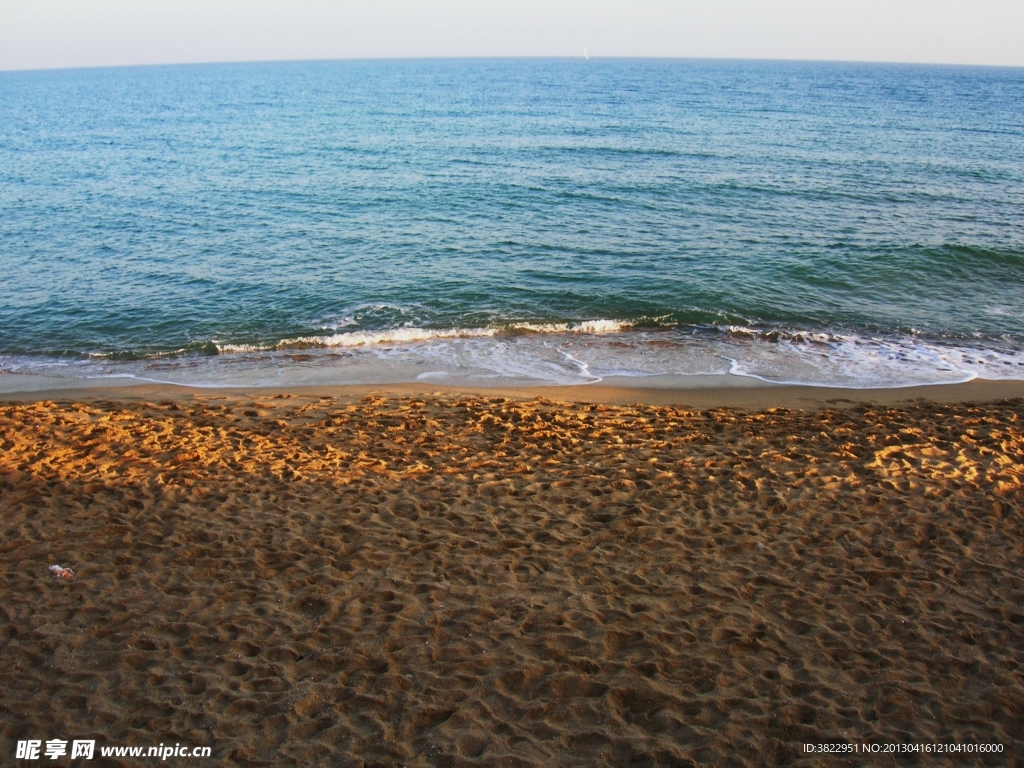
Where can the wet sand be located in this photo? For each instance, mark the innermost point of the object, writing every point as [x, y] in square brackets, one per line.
[468, 578]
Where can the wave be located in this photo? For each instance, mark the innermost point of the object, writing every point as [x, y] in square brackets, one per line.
[585, 326]
[361, 338]
[408, 335]
[580, 352]
[775, 335]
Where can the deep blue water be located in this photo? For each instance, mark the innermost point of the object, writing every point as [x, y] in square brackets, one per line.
[513, 221]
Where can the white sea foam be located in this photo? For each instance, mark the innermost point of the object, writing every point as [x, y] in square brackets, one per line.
[864, 362]
[408, 334]
[228, 349]
[583, 353]
[585, 326]
[398, 336]
[362, 339]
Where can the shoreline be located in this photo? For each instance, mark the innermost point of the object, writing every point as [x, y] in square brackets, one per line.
[757, 396]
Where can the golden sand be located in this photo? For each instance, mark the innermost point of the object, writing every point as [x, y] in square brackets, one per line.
[470, 580]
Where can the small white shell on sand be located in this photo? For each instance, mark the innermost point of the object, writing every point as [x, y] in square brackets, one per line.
[61, 573]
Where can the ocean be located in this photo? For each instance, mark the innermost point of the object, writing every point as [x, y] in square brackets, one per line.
[512, 222]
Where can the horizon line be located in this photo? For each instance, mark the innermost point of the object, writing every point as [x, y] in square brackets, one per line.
[580, 57]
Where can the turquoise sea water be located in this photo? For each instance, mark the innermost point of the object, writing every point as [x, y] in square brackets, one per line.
[512, 222]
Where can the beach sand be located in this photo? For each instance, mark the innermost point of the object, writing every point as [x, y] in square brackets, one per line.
[472, 578]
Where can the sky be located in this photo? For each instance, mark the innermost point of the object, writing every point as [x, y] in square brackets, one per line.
[38, 34]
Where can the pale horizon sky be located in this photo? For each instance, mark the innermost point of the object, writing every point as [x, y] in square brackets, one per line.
[45, 34]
